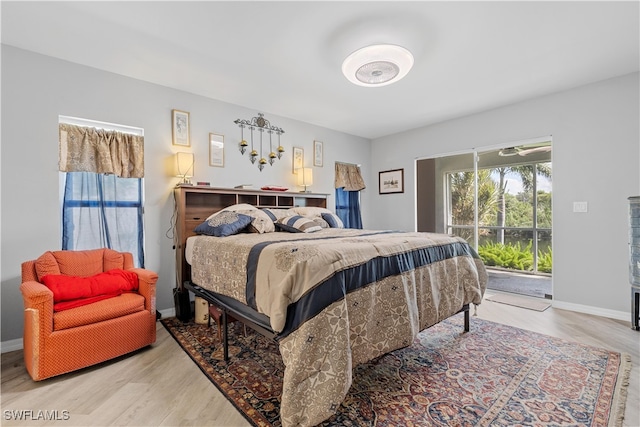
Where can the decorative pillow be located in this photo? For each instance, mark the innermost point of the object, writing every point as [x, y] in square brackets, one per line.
[112, 282]
[240, 207]
[333, 220]
[275, 214]
[261, 222]
[297, 224]
[321, 222]
[223, 223]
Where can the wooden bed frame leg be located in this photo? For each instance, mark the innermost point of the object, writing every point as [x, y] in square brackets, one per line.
[466, 319]
[225, 336]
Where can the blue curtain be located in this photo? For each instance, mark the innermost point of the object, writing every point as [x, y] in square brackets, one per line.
[348, 208]
[103, 211]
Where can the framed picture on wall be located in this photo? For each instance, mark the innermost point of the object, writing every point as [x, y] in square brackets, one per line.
[318, 153]
[180, 128]
[391, 181]
[298, 159]
[216, 150]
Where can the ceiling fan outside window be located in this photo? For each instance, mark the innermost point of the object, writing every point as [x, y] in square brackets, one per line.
[524, 150]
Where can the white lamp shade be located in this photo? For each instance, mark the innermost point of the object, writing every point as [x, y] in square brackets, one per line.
[184, 164]
[305, 177]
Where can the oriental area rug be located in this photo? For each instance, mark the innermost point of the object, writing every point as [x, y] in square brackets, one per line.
[494, 375]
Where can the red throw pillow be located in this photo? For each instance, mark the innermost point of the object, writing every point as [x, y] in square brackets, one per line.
[113, 281]
[131, 278]
[69, 288]
[66, 305]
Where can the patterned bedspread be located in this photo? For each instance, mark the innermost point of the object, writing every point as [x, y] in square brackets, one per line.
[339, 297]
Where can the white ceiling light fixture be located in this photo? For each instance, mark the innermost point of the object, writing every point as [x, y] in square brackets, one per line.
[377, 65]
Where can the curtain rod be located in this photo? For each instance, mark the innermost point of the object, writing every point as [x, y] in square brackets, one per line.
[79, 121]
[350, 164]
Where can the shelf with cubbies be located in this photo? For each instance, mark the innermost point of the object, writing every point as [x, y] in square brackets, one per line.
[194, 204]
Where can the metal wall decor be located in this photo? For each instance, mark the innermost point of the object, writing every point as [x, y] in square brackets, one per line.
[261, 124]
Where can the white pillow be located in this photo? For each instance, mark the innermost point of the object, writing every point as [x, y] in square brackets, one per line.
[308, 211]
[240, 207]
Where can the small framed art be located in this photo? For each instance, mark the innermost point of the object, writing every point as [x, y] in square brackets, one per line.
[318, 153]
[391, 181]
[216, 150]
[298, 159]
[180, 128]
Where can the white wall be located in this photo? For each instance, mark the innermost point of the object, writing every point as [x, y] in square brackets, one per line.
[36, 89]
[596, 155]
[596, 148]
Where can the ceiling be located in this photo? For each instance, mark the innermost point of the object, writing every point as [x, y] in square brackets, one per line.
[284, 58]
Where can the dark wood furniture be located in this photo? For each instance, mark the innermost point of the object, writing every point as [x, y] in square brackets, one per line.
[634, 260]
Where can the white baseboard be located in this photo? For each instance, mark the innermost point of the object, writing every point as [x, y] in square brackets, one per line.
[596, 311]
[11, 345]
[17, 344]
[168, 312]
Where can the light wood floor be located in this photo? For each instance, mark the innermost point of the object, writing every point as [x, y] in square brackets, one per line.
[161, 386]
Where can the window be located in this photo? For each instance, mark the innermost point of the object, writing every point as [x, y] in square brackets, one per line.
[103, 210]
[348, 184]
[348, 208]
[509, 214]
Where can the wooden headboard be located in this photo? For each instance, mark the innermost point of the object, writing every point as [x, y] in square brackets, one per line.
[194, 204]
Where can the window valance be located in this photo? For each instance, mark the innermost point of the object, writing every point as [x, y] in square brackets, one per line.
[87, 149]
[348, 176]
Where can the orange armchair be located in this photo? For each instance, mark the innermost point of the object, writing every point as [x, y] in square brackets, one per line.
[57, 342]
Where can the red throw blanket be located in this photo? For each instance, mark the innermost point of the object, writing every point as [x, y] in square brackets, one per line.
[72, 291]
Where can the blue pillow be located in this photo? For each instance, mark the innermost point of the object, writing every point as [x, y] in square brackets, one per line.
[223, 224]
[333, 220]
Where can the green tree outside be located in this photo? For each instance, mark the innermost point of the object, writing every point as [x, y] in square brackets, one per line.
[497, 207]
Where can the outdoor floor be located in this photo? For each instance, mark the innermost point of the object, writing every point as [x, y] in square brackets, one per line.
[520, 283]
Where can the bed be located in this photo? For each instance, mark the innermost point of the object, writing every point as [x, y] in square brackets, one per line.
[334, 298]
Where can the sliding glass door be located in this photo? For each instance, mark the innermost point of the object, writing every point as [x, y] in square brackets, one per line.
[498, 200]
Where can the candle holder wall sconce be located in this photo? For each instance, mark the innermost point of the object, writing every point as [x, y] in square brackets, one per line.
[261, 125]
